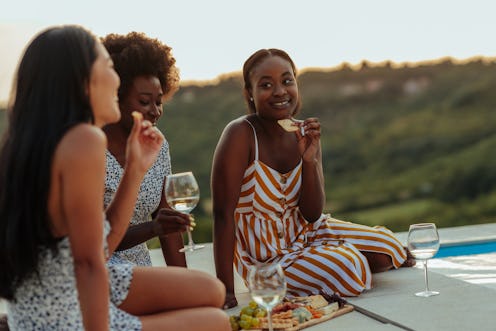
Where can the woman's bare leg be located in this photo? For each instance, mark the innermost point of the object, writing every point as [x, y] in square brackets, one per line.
[161, 289]
[378, 262]
[198, 319]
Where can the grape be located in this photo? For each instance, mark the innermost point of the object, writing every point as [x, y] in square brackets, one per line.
[259, 312]
[248, 316]
[247, 311]
[233, 319]
[245, 324]
[253, 304]
[234, 326]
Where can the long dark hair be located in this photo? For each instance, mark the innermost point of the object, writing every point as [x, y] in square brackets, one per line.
[49, 97]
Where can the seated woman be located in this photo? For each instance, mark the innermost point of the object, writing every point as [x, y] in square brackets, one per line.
[268, 196]
[149, 77]
[54, 232]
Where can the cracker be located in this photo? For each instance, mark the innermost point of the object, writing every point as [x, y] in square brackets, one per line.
[137, 115]
[283, 315]
[277, 323]
[288, 125]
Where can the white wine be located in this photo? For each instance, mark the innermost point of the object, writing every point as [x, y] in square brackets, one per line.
[423, 243]
[423, 250]
[423, 254]
[267, 298]
[184, 205]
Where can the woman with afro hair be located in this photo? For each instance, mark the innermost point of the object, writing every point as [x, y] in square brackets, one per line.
[149, 77]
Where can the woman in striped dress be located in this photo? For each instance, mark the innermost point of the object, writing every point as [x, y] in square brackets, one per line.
[268, 196]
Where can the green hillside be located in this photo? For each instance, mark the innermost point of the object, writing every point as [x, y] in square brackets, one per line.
[400, 144]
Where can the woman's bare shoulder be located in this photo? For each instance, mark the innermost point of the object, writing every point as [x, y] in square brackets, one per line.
[82, 141]
[238, 126]
[235, 143]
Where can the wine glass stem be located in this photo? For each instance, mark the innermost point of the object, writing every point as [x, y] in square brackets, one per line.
[269, 319]
[190, 239]
[425, 276]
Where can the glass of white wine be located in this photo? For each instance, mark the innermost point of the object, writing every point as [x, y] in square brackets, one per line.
[182, 194]
[423, 243]
[267, 286]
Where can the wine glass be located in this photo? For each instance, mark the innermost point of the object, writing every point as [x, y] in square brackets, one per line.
[423, 243]
[182, 194]
[267, 286]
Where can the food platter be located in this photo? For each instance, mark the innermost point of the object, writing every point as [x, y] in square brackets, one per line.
[291, 315]
[300, 326]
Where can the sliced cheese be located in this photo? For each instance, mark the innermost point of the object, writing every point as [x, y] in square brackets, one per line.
[329, 309]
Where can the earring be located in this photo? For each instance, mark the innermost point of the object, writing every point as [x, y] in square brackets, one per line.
[251, 99]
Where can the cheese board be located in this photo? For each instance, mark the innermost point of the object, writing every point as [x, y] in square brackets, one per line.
[291, 315]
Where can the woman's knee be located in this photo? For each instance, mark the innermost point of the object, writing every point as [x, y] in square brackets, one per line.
[220, 319]
[214, 290]
[206, 288]
[211, 319]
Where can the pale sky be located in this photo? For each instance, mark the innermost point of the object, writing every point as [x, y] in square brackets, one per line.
[213, 37]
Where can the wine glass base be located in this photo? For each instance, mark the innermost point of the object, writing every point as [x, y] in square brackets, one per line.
[191, 248]
[426, 294]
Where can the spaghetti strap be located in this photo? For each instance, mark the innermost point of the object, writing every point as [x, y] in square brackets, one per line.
[256, 139]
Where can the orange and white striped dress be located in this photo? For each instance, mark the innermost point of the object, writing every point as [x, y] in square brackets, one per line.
[320, 256]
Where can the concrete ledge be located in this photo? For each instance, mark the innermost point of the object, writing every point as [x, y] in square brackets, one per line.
[461, 234]
[467, 285]
[460, 306]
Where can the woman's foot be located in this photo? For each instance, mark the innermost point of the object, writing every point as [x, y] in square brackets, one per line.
[410, 260]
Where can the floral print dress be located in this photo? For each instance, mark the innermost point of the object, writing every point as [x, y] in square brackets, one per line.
[50, 301]
[148, 201]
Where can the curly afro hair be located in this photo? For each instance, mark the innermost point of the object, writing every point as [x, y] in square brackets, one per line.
[135, 55]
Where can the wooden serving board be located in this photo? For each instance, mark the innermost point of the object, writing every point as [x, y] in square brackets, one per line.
[345, 309]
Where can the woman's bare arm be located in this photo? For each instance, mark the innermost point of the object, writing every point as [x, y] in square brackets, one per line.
[170, 224]
[312, 195]
[231, 158]
[80, 159]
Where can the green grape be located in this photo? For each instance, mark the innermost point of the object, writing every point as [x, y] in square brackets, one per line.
[255, 322]
[247, 311]
[233, 319]
[259, 312]
[246, 318]
[234, 326]
[245, 324]
[253, 304]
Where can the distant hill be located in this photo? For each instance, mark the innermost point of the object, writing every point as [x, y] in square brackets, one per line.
[400, 144]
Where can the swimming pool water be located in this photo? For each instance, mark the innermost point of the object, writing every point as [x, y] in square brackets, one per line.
[466, 249]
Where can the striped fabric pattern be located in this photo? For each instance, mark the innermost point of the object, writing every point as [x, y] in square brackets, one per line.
[324, 255]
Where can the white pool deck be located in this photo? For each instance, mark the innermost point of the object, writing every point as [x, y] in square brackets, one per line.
[467, 285]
